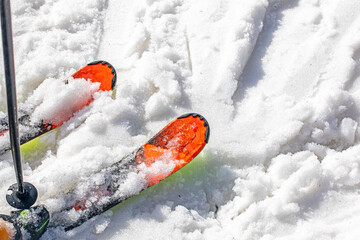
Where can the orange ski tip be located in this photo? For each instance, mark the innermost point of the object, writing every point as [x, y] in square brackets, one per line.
[7, 231]
[178, 143]
[99, 71]
[201, 118]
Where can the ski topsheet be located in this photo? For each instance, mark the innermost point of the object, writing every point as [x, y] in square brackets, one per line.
[100, 72]
[168, 151]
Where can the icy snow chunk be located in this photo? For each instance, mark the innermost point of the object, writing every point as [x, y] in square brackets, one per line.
[343, 167]
[303, 180]
[348, 129]
[56, 101]
[96, 123]
[156, 106]
[99, 228]
[160, 169]
[133, 184]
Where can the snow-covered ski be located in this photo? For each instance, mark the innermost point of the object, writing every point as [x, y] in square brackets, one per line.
[98, 71]
[168, 151]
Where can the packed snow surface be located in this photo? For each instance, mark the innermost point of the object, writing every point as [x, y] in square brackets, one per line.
[278, 82]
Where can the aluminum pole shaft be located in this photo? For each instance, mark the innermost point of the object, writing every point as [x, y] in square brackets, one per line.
[9, 68]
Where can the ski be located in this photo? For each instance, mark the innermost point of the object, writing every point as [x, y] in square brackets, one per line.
[168, 151]
[97, 72]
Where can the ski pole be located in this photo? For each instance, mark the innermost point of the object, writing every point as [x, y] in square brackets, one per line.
[21, 195]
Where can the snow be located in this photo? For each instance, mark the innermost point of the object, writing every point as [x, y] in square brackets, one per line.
[278, 82]
[64, 99]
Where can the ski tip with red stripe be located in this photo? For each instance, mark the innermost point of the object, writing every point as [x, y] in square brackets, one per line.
[99, 71]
